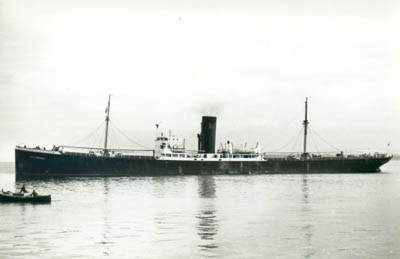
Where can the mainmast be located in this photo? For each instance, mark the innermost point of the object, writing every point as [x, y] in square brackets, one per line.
[305, 123]
[107, 120]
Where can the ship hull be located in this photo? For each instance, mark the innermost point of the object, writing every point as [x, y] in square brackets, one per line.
[40, 164]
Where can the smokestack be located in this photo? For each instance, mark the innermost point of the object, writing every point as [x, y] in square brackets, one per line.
[207, 136]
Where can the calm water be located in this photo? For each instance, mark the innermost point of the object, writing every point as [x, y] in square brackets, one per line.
[254, 216]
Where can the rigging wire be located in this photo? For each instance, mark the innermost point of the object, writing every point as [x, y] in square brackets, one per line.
[314, 143]
[95, 139]
[115, 137]
[131, 140]
[99, 140]
[88, 135]
[295, 138]
[111, 138]
[296, 143]
[326, 142]
[284, 126]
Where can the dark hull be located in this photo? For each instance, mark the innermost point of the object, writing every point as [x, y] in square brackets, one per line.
[31, 163]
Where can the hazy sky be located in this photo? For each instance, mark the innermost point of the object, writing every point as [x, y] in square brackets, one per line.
[251, 63]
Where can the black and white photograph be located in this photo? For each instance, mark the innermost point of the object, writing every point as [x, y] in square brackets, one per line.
[200, 129]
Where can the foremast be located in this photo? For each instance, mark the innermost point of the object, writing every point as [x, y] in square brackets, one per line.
[107, 122]
[305, 123]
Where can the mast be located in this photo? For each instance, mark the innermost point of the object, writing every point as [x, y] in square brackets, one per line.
[305, 123]
[107, 120]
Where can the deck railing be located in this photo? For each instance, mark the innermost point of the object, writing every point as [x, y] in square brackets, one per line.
[189, 154]
[323, 155]
[210, 156]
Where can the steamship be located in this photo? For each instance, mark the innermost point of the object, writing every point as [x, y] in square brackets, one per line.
[170, 157]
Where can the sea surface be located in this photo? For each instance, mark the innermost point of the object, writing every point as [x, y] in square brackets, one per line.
[245, 216]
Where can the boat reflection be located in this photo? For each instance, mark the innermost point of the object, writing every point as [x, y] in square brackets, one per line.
[106, 225]
[307, 228]
[207, 217]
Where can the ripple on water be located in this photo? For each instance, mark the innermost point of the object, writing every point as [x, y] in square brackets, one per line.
[254, 216]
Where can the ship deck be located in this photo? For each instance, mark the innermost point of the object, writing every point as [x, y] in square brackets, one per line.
[150, 154]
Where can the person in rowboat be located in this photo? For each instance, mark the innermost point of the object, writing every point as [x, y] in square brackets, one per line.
[23, 189]
[34, 193]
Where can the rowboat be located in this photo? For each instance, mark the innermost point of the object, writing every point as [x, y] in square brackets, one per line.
[6, 196]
